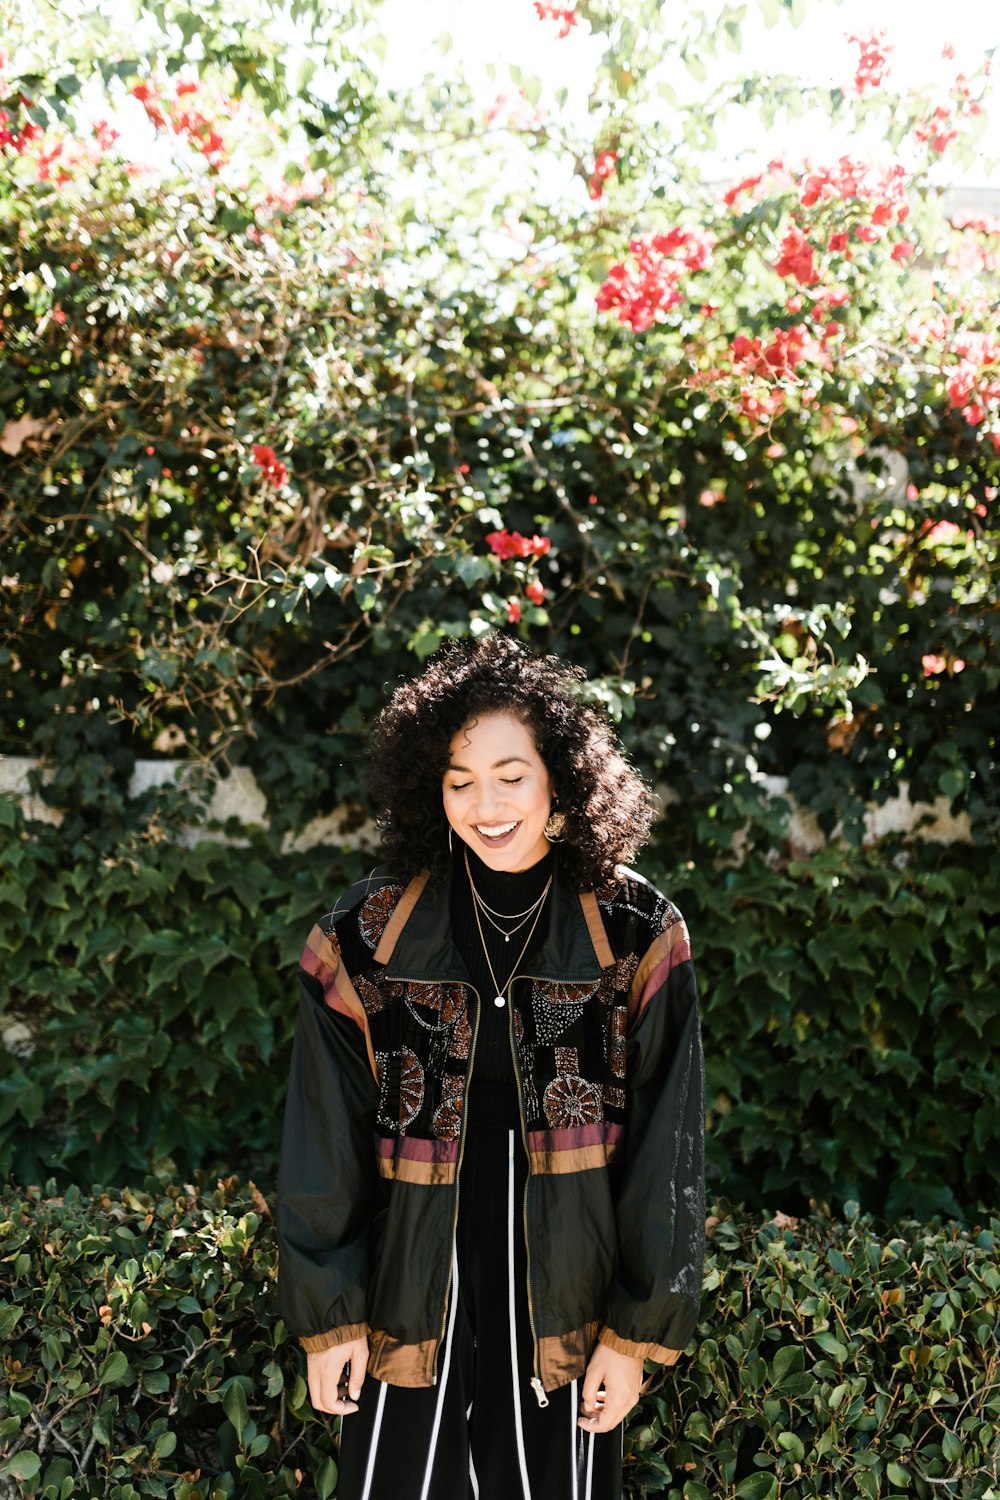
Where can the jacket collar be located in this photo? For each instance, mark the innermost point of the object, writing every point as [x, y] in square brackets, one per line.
[417, 941]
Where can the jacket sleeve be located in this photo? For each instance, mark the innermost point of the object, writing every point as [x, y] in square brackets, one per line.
[328, 1186]
[652, 1310]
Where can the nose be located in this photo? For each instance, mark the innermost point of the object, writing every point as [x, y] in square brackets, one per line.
[487, 805]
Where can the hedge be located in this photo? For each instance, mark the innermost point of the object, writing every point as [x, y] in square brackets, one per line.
[851, 1020]
[143, 1357]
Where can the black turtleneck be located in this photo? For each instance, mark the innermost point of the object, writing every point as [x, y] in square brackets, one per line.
[505, 892]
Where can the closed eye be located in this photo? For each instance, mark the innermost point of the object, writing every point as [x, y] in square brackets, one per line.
[459, 786]
[511, 781]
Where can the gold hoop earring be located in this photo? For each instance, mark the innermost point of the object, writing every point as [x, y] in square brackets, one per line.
[555, 828]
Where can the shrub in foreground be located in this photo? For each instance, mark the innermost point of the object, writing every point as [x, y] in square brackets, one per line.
[143, 1357]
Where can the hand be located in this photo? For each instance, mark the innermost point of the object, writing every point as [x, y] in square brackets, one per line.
[621, 1376]
[336, 1376]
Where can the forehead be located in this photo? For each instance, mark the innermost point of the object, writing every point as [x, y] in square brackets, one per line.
[491, 738]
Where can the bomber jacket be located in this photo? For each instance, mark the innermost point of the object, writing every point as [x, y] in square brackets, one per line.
[606, 1039]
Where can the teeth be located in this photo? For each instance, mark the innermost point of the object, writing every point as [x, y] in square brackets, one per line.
[495, 831]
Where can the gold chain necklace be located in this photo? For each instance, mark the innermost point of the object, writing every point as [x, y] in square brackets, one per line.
[500, 993]
[506, 932]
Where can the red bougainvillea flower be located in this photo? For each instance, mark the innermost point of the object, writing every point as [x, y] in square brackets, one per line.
[643, 292]
[105, 133]
[973, 386]
[512, 544]
[604, 167]
[535, 592]
[872, 66]
[902, 250]
[513, 611]
[564, 14]
[941, 532]
[797, 258]
[273, 469]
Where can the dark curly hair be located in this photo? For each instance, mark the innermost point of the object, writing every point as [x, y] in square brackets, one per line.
[607, 806]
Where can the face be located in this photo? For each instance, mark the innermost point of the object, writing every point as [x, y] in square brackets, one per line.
[497, 794]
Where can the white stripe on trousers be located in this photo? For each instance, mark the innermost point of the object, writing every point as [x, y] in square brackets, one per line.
[575, 1442]
[518, 1424]
[445, 1367]
[373, 1450]
[590, 1465]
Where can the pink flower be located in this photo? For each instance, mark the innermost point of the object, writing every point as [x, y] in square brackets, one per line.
[797, 259]
[903, 250]
[535, 592]
[873, 61]
[513, 611]
[273, 469]
[512, 544]
[564, 14]
[932, 665]
[604, 167]
[941, 532]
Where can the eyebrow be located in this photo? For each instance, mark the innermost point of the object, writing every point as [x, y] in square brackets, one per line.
[496, 766]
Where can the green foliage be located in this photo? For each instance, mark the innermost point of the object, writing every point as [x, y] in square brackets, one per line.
[852, 1028]
[292, 276]
[850, 1006]
[143, 1356]
[834, 1360]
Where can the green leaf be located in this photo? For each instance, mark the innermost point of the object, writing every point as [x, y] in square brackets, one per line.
[757, 1487]
[115, 1369]
[898, 1475]
[831, 1345]
[24, 1466]
[789, 1360]
[234, 1404]
[325, 1479]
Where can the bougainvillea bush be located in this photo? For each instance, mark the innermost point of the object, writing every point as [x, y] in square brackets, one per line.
[301, 374]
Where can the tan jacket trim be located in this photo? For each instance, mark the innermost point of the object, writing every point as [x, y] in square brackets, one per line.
[423, 1173]
[640, 1351]
[401, 1364]
[315, 1343]
[597, 930]
[563, 1357]
[400, 916]
[583, 1159]
[659, 951]
[350, 997]
[338, 992]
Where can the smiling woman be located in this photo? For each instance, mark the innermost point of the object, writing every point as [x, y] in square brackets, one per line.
[529, 1226]
[497, 795]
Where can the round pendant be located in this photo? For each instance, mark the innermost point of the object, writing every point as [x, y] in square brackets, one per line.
[499, 1001]
[506, 937]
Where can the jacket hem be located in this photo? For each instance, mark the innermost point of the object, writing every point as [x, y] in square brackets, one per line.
[315, 1343]
[658, 1352]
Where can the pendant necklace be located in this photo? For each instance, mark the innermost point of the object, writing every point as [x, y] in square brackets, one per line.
[500, 996]
[506, 932]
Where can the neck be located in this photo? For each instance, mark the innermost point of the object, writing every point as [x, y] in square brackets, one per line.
[509, 886]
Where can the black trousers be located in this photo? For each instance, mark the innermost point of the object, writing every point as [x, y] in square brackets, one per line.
[480, 1434]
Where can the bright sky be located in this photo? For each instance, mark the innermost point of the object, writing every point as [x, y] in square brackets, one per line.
[509, 31]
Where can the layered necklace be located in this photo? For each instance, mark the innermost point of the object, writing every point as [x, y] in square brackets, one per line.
[481, 909]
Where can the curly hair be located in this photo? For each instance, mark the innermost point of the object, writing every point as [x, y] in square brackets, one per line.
[608, 807]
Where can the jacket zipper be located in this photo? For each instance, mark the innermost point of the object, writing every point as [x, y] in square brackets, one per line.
[536, 1380]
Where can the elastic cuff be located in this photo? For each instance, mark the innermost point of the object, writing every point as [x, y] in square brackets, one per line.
[315, 1343]
[639, 1351]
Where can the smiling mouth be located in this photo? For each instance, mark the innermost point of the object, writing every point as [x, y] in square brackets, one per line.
[495, 830]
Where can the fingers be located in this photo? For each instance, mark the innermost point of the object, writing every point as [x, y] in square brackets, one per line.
[336, 1376]
[610, 1390]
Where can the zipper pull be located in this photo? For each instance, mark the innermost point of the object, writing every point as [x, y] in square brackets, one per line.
[539, 1390]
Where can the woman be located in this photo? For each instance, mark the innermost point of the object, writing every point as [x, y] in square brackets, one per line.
[491, 1202]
